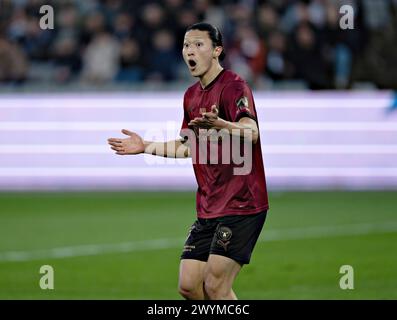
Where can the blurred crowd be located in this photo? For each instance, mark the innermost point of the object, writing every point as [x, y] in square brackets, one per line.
[140, 41]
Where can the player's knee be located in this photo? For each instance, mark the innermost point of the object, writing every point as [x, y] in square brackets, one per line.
[189, 292]
[213, 287]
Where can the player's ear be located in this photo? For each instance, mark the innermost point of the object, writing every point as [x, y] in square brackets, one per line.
[217, 52]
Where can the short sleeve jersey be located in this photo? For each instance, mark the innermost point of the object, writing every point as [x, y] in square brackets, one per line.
[223, 189]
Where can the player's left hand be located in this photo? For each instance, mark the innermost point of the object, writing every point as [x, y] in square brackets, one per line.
[209, 120]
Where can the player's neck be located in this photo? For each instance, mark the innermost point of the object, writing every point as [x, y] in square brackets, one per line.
[210, 75]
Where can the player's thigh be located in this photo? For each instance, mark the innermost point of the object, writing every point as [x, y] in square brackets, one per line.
[221, 271]
[195, 253]
[191, 274]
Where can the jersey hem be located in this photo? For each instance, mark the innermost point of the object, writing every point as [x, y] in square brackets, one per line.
[232, 213]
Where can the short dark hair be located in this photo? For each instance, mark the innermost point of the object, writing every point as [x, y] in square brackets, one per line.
[214, 34]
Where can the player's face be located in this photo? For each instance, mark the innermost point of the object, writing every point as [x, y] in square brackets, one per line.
[198, 52]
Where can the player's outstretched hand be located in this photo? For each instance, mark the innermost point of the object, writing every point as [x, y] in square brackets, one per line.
[209, 120]
[213, 114]
[132, 145]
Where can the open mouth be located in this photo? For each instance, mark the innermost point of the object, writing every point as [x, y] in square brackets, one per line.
[192, 63]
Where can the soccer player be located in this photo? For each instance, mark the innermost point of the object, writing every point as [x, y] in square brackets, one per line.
[231, 208]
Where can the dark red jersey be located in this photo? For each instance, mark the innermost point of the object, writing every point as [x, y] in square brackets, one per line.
[221, 189]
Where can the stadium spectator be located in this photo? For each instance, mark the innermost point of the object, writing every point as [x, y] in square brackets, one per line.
[163, 57]
[13, 63]
[94, 23]
[308, 59]
[67, 60]
[278, 65]
[123, 26]
[100, 59]
[247, 54]
[131, 63]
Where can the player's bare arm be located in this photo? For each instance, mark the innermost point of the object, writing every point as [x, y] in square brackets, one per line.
[134, 144]
[210, 120]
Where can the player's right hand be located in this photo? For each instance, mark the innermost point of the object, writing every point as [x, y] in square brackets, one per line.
[132, 145]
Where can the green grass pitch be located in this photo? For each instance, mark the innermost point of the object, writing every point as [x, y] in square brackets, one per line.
[307, 237]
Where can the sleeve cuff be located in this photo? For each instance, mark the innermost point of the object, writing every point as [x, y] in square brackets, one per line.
[244, 114]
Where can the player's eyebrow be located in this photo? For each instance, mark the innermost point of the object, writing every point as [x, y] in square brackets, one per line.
[193, 39]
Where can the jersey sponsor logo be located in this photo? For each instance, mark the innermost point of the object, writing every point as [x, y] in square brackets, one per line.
[242, 103]
[224, 234]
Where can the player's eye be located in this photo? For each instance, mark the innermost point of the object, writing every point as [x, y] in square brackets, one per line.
[185, 45]
[199, 44]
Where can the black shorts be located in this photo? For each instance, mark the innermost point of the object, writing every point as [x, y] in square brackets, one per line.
[230, 236]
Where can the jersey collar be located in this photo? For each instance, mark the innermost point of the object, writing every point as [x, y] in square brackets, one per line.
[208, 86]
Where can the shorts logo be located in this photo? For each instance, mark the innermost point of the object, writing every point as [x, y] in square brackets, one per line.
[224, 234]
[188, 248]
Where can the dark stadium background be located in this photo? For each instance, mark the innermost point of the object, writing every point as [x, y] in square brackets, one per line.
[113, 228]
